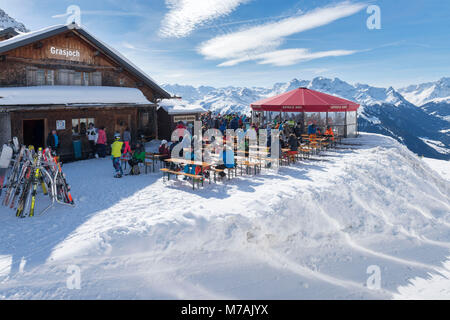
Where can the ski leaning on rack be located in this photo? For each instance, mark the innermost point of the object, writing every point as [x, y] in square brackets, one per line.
[63, 188]
[36, 178]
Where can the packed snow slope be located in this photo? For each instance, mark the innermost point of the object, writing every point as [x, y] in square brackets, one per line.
[308, 231]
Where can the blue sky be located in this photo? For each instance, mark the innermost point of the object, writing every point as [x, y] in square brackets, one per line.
[260, 42]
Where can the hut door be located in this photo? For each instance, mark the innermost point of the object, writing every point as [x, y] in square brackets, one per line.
[121, 123]
[34, 133]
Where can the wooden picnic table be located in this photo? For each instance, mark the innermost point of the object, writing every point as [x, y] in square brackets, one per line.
[188, 162]
[259, 147]
[155, 156]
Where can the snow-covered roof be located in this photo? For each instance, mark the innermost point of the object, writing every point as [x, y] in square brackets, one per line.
[6, 44]
[31, 37]
[179, 106]
[52, 95]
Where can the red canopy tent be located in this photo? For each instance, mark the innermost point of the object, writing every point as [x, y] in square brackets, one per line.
[304, 100]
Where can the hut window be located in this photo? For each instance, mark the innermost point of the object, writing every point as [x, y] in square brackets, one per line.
[85, 79]
[50, 78]
[31, 76]
[144, 119]
[97, 78]
[79, 126]
[40, 77]
[63, 77]
[77, 76]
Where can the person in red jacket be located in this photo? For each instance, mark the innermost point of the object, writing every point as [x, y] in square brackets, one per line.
[180, 129]
[164, 151]
[101, 142]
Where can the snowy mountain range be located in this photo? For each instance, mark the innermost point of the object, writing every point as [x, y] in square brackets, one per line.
[419, 118]
[424, 93]
[7, 22]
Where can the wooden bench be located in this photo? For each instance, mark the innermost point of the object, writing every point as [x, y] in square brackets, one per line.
[194, 177]
[305, 151]
[249, 165]
[124, 160]
[215, 170]
[149, 162]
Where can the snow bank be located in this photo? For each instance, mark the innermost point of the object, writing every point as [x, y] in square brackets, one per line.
[309, 231]
[42, 95]
[440, 166]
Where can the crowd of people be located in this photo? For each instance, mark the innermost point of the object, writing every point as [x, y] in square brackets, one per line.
[291, 135]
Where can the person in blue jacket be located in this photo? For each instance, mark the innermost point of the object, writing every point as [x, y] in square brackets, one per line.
[190, 169]
[223, 127]
[227, 157]
[312, 129]
[234, 123]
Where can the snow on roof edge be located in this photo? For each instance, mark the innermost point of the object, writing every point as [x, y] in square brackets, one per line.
[178, 106]
[51, 95]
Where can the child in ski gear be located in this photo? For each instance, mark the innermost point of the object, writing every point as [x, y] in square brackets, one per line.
[117, 148]
[138, 157]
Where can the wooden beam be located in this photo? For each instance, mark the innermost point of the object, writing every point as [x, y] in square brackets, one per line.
[59, 63]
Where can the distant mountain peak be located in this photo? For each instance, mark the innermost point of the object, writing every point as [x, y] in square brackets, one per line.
[7, 22]
[424, 93]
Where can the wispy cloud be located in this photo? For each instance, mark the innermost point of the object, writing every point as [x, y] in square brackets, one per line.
[261, 42]
[287, 57]
[185, 16]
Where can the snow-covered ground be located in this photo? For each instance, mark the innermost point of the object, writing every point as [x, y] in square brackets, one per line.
[310, 231]
[440, 166]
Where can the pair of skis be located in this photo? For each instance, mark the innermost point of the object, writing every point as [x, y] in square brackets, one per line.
[62, 187]
[32, 175]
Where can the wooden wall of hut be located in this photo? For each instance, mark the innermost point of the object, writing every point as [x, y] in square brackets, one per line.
[113, 121]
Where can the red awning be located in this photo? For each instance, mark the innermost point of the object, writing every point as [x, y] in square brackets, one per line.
[304, 100]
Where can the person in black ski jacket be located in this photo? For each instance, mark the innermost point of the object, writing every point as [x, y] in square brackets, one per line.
[53, 141]
[298, 130]
[293, 142]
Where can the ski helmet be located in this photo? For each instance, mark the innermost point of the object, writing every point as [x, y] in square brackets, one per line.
[117, 136]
